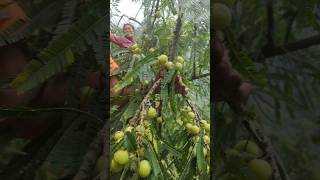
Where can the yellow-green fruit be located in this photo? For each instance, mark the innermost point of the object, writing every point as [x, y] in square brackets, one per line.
[205, 152]
[261, 169]
[133, 47]
[195, 139]
[250, 147]
[145, 82]
[207, 127]
[159, 119]
[158, 14]
[188, 108]
[115, 167]
[191, 115]
[139, 129]
[151, 50]
[163, 59]
[206, 139]
[189, 126]
[178, 66]
[221, 16]
[169, 65]
[180, 59]
[128, 129]
[152, 113]
[194, 130]
[137, 51]
[185, 120]
[226, 2]
[121, 157]
[144, 168]
[203, 122]
[118, 135]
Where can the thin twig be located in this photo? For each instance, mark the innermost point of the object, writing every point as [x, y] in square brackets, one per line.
[144, 101]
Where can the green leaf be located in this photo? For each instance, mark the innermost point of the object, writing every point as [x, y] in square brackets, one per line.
[152, 157]
[200, 156]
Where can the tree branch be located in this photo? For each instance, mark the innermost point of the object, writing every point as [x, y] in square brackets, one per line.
[294, 46]
[270, 28]
[200, 76]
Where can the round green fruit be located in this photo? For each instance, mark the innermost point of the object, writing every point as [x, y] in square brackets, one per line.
[137, 51]
[115, 167]
[133, 47]
[169, 65]
[145, 82]
[207, 127]
[191, 115]
[152, 113]
[151, 50]
[194, 130]
[121, 157]
[206, 139]
[203, 122]
[180, 59]
[221, 16]
[261, 169]
[159, 119]
[178, 66]
[163, 59]
[140, 129]
[128, 129]
[118, 135]
[250, 147]
[144, 168]
[189, 126]
[185, 120]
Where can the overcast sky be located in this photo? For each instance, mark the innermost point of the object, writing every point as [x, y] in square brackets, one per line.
[130, 9]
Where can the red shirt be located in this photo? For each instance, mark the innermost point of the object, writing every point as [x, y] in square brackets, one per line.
[121, 41]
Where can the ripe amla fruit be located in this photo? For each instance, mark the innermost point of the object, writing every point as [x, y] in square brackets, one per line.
[178, 66]
[151, 50]
[249, 147]
[121, 157]
[206, 139]
[221, 16]
[159, 119]
[207, 127]
[118, 135]
[169, 65]
[133, 47]
[191, 115]
[163, 59]
[261, 169]
[115, 167]
[194, 130]
[180, 59]
[152, 113]
[144, 168]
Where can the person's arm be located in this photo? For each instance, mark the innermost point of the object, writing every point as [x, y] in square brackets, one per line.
[120, 41]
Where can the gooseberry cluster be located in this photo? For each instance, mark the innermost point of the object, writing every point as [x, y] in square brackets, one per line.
[251, 153]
